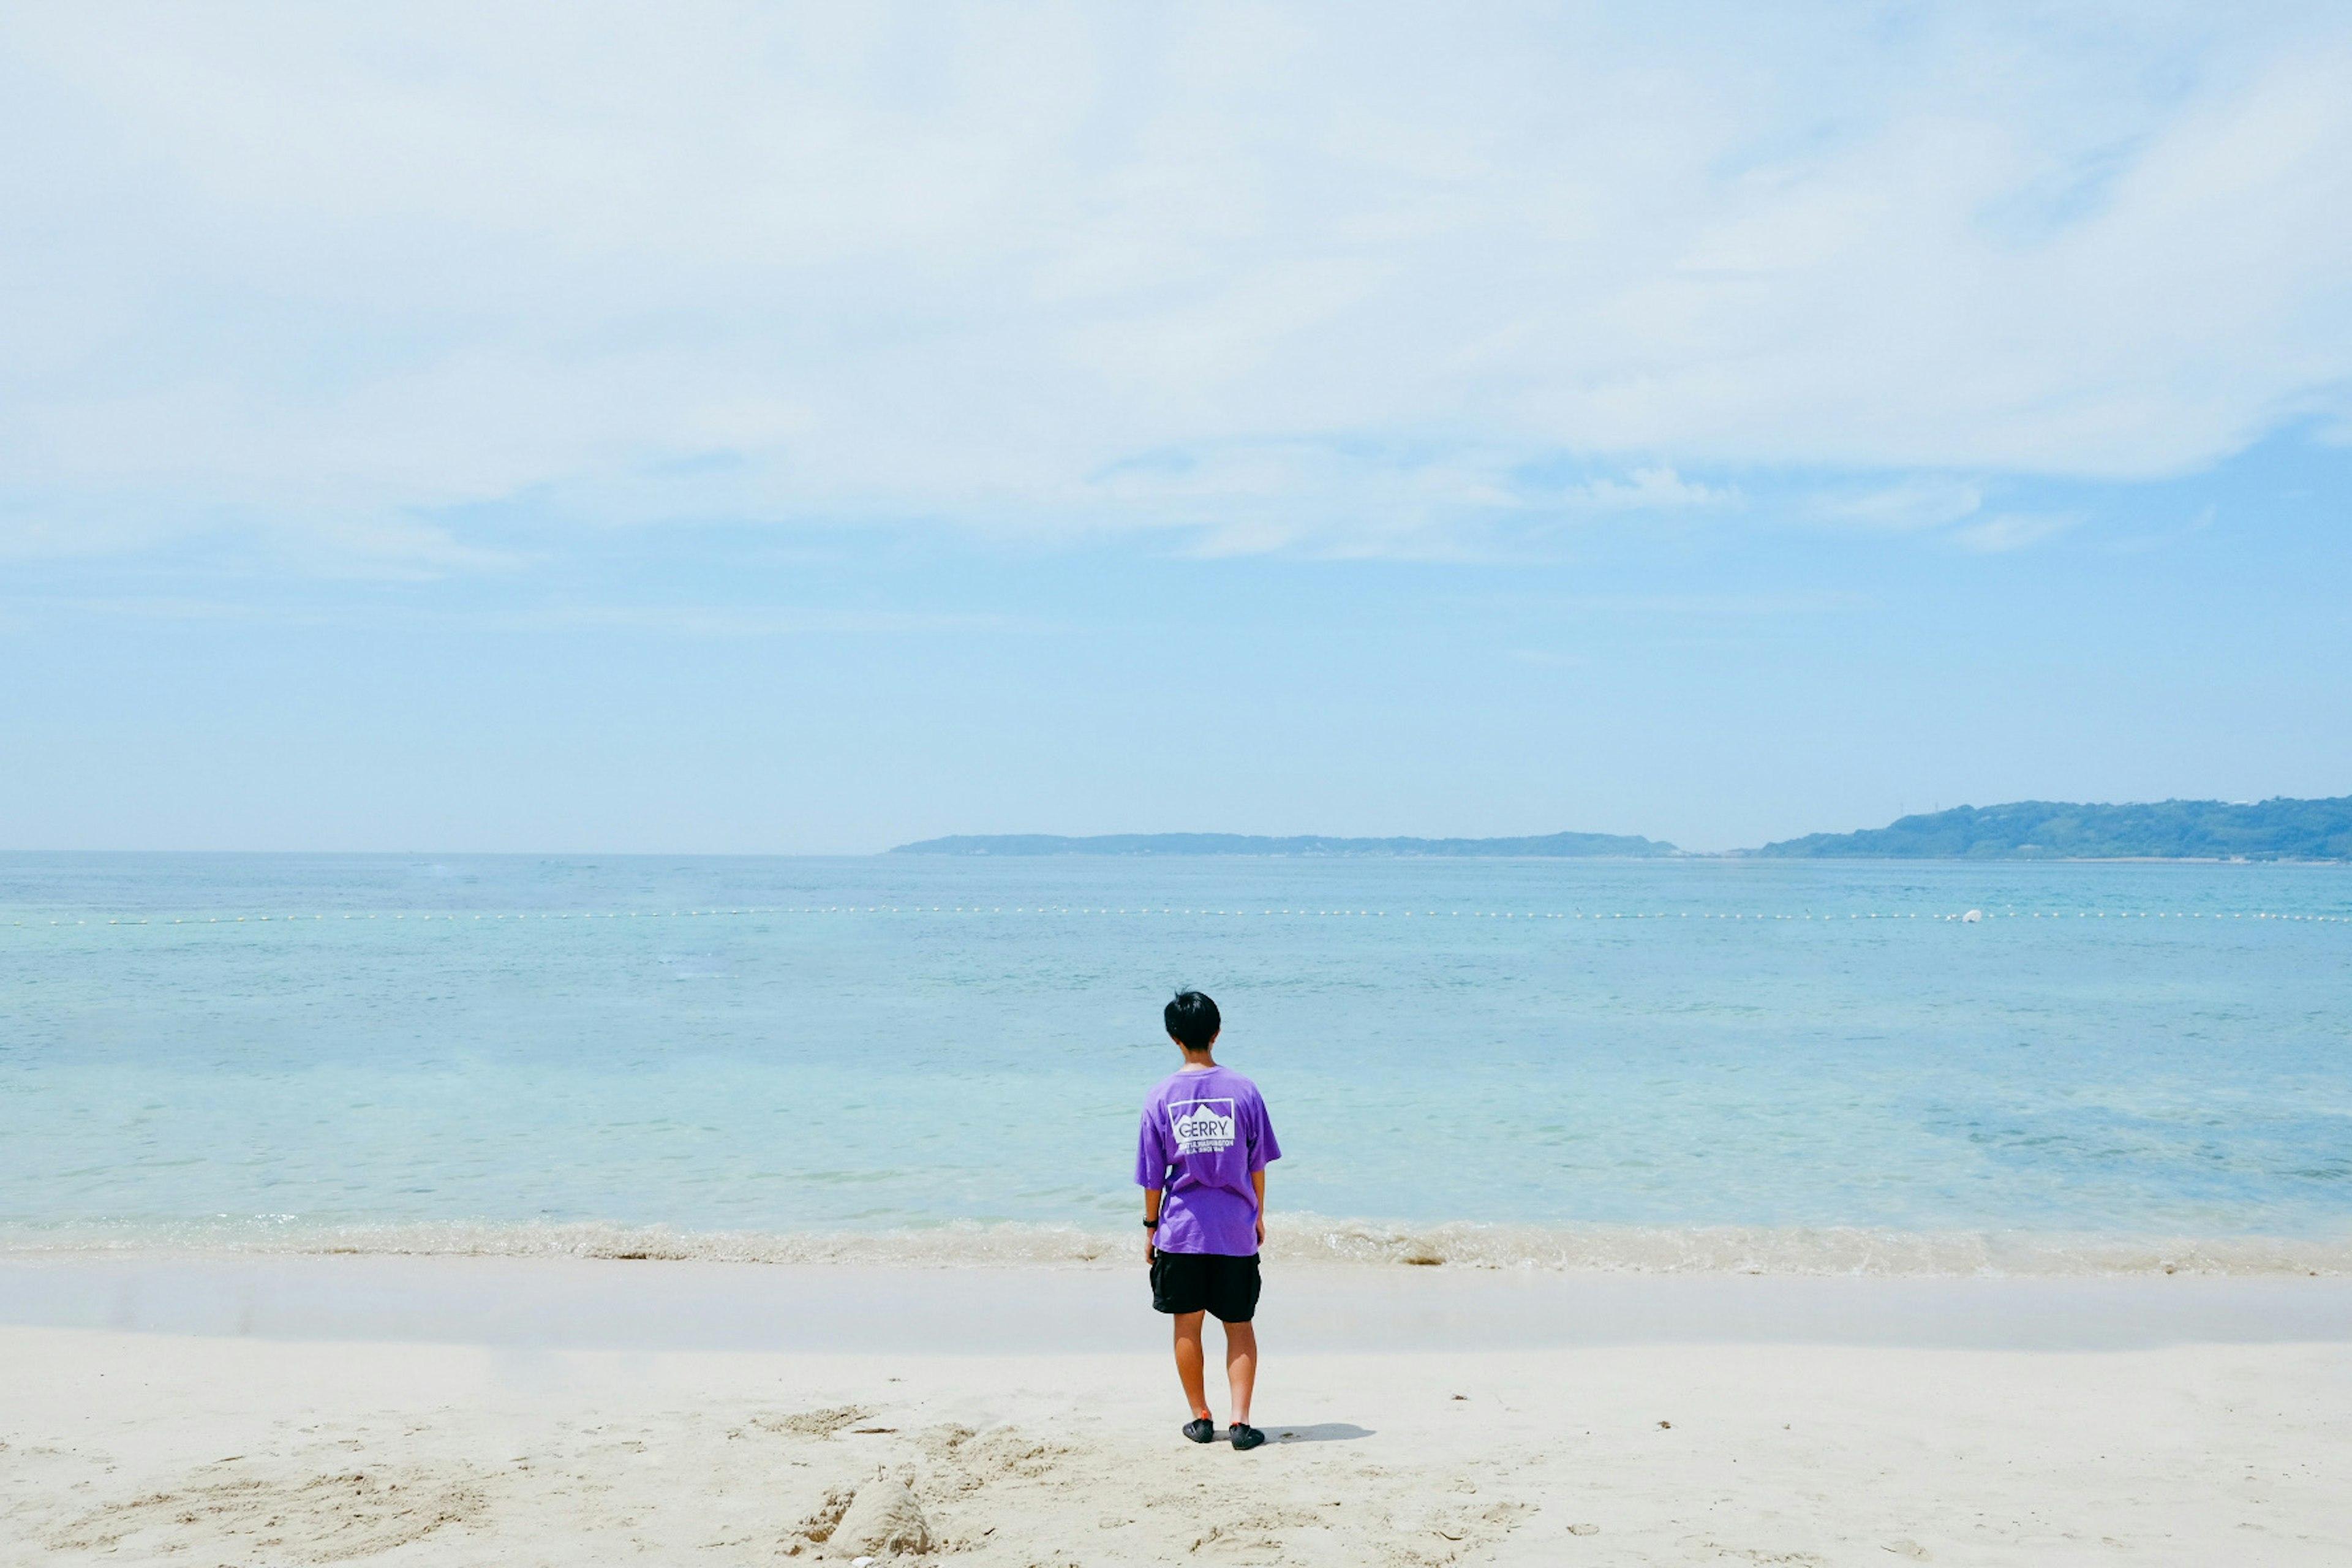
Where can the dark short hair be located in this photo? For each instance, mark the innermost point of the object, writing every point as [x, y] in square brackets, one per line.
[1192, 1019]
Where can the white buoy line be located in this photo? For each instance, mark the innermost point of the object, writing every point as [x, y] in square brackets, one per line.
[1970, 917]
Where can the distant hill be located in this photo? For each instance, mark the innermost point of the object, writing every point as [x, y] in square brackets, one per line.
[1556, 845]
[2055, 831]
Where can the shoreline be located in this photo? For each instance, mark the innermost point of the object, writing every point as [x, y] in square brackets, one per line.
[695, 1306]
[1296, 1239]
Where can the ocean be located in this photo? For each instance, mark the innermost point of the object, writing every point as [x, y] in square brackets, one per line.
[1685, 1064]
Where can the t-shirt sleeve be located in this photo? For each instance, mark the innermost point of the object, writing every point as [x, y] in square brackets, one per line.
[1263, 1148]
[1150, 1150]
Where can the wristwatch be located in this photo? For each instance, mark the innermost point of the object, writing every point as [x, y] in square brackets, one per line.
[1151, 1224]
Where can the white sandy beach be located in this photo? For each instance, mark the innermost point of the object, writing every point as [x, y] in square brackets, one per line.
[1670, 1423]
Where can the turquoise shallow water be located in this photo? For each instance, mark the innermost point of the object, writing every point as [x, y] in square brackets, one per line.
[212, 1048]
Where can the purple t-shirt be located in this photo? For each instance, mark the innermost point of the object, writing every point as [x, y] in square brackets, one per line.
[1204, 1134]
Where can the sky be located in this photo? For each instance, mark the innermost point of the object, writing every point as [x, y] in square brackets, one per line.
[741, 427]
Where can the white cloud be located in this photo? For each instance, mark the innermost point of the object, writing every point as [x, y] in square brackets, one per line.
[1653, 489]
[735, 622]
[1926, 502]
[2013, 531]
[1299, 276]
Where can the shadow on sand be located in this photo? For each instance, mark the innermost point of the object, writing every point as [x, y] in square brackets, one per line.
[1325, 1431]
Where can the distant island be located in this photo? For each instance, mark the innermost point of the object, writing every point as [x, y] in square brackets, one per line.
[1558, 846]
[2022, 830]
[2056, 830]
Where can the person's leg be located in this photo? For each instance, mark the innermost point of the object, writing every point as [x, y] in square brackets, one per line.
[1240, 1366]
[1192, 1364]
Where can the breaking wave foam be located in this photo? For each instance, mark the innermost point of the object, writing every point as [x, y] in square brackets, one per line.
[1296, 1239]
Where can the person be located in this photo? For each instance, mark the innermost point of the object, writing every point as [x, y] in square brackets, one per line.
[1201, 1160]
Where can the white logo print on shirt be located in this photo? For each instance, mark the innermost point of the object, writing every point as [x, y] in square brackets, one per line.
[1201, 1126]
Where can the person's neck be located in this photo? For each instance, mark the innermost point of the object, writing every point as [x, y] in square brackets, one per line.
[1198, 1061]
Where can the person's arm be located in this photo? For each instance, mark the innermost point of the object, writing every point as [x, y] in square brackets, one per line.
[1150, 1174]
[1263, 1151]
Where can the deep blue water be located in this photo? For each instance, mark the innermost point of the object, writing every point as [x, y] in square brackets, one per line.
[2117, 1049]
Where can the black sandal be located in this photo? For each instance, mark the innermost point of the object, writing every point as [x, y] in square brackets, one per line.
[1200, 1430]
[1245, 1437]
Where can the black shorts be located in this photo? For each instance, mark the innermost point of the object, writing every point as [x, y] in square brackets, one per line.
[1210, 1282]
